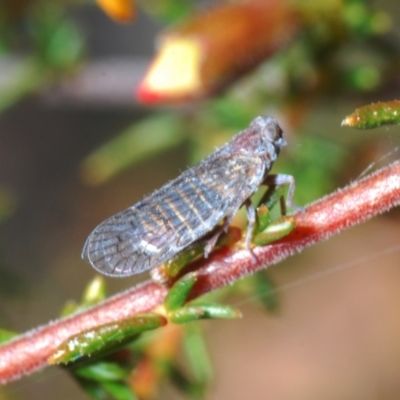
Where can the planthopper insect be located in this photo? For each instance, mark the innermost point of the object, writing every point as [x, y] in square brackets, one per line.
[168, 221]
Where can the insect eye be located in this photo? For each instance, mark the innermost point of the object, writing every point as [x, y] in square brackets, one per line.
[272, 131]
[275, 133]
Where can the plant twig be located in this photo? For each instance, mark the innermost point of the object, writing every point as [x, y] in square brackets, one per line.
[347, 207]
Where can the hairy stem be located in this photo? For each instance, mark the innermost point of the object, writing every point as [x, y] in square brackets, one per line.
[347, 207]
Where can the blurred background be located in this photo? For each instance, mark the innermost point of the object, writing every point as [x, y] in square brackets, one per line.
[88, 127]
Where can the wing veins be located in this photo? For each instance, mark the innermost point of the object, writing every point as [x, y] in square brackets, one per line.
[221, 175]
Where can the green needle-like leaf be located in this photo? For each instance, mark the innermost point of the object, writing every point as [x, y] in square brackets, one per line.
[179, 292]
[374, 115]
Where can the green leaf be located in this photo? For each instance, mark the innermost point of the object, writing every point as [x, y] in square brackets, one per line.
[374, 115]
[276, 230]
[119, 391]
[168, 11]
[198, 311]
[266, 291]
[105, 338]
[197, 354]
[173, 267]
[6, 335]
[102, 371]
[95, 291]
[263, 218]
[185, 314]
[179, 292]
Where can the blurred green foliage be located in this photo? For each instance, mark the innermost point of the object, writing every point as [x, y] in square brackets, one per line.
[345, 48]
[46, 42]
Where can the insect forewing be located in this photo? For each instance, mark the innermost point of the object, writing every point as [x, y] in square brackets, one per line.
[155, 229]
[172, 218]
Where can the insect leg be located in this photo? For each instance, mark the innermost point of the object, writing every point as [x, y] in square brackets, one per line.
[279, 180]
[251, 221]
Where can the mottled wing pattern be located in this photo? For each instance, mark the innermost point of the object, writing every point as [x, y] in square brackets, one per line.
[157, 228]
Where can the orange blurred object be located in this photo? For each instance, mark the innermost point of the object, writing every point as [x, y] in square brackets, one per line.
[146, 376]
[145, 379]
[119, 10]
[214, 48]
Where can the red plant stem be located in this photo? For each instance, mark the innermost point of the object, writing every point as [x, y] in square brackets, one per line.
[328, 216]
